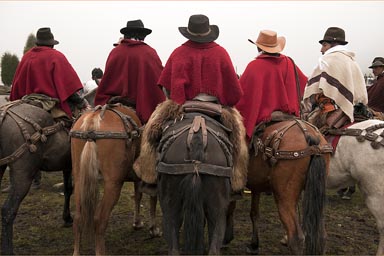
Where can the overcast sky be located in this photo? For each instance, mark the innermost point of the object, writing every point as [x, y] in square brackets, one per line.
[86, 30]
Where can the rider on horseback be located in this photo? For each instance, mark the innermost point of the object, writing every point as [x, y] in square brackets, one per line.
[201, 70]
[46, 74]
[269, 83]
[131, 73]
[337, 83]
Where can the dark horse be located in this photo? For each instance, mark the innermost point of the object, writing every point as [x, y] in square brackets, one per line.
[287, 158]
[30, 141]
[198, 156]
[105, 140]
[194, 182]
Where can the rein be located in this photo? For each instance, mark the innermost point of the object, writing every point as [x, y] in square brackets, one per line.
[297, 88]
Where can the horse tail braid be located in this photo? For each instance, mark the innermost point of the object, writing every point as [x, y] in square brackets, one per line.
[193, 212]
[88, 186]
[314, 203]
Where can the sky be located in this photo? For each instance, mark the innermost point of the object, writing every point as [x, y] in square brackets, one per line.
[87, 30]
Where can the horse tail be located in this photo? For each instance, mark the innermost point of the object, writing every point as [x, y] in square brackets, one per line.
[88, 185]
[193, 209]
[314, 203]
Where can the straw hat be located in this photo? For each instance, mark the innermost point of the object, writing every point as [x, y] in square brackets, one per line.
[268, 41]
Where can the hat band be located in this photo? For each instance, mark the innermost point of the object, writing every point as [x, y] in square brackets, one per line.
[199, 34]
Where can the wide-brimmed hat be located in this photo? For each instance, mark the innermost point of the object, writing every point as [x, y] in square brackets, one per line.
[334, 34]
[44, 36]
[199, 30]
[268, 41]
[377, 62]
[135, 26]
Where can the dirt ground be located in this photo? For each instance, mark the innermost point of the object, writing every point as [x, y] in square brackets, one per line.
[38, 227]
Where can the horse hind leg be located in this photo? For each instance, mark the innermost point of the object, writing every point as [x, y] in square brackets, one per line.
[154, 230]
[228, 237]
[216, 205]
[290, 220]
[137, 221]
[253, 248]
[9, 210]
[374, 204]
[111, 195]
[68, 190]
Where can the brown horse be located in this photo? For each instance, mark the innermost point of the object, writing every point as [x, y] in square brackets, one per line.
[104, 141]
[30, 141]
[287, 158]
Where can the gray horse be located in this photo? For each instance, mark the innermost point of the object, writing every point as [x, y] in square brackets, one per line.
[30, 141]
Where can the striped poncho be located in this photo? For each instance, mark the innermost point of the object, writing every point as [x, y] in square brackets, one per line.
[339, 77]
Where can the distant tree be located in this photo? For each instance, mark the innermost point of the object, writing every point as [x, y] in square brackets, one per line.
[30, 43]
[9, 64]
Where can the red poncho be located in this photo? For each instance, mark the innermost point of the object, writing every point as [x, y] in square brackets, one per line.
[132, 71]
[195, 68]
[45, 70]
[269, 84]
[376, 94]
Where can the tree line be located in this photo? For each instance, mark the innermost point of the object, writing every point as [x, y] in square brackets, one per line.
[10, 61]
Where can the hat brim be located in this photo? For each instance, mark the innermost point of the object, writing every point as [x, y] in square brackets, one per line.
[126, 30]
[212, 36]
[48, 42]
[376, 65]
[340, 42]
[272, 49]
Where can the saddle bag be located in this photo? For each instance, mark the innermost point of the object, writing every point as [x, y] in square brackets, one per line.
[337, 119]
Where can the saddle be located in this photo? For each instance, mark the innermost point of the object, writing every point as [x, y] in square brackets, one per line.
[205, 107]
[269, 147]
[128, 134]
[169, 112]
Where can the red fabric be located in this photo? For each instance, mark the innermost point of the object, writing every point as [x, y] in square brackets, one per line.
[334, 139]
[195, 68]
[376, 94]
[269, 84]
[132, 71]
[45, 70]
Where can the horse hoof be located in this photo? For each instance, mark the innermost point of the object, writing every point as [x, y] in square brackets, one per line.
[284, 240]
[155, 232]
[138, 225]
[251, 250]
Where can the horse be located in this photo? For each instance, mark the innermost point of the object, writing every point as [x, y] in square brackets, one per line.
[194, 170]
[105, 140]
[289, 157]
[30, 141]
[358, 159]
